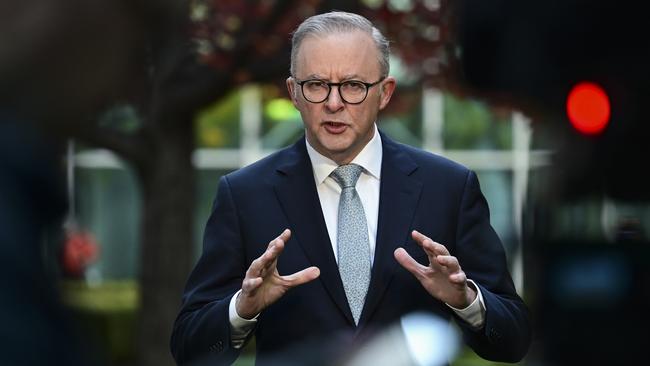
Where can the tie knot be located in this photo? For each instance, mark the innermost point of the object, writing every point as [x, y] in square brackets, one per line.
[347, 175]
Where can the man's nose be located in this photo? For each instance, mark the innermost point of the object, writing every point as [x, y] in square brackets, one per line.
[334, 102]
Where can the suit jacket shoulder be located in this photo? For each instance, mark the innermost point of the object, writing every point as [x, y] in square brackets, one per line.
[262, 171]
[435, 172]
[430, 162]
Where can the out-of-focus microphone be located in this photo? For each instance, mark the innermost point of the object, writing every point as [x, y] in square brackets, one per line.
[419, 339]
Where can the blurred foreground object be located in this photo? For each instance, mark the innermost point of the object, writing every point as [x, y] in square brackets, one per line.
[419, 339]
[35, 328]
[60, 64]
[532, 53]
[587, 269]
[593, 301]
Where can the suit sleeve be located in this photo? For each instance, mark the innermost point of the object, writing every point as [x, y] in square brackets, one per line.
[506, 333]
[202, 328]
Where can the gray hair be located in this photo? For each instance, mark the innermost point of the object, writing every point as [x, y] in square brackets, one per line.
[339, 22]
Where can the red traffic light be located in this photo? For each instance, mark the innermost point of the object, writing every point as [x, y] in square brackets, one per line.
[588, 108]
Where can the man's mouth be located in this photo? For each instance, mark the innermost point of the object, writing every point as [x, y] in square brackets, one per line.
[335, 127]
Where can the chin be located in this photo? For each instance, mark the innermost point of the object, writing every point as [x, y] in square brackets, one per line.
[337, 146]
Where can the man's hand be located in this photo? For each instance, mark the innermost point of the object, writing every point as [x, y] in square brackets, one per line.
[442, 278]
[263, 285]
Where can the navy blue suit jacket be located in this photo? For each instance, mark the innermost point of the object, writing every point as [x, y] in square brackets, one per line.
[418, 191]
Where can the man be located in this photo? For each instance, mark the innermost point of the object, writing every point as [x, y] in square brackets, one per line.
[357, 215]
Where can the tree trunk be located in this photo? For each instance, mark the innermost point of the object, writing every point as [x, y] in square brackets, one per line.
[168, 190]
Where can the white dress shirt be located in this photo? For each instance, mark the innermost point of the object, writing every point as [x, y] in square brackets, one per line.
[329, 193]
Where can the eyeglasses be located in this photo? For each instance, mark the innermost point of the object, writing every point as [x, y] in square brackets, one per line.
[351, 91]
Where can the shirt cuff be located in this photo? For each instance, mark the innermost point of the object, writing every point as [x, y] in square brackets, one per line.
[474, 313]
[240, 328]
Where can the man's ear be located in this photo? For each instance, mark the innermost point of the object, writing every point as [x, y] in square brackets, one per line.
[291, 87]
[387, 89]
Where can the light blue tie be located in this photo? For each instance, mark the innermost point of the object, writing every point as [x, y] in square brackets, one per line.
[353, 245]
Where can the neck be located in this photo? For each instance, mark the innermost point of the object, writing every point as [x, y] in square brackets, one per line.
[342, 157]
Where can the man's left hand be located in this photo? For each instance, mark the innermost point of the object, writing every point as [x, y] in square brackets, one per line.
[442, 278]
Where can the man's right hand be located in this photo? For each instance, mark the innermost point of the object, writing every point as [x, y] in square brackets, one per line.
[263, 285]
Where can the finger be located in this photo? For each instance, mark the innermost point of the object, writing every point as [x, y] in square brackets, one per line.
[410, 264]
[458, 278]
[418, 237]
[251, 284]
[448, 261]
[261, 265]
[284, 237]
[256, 267]
[286, 234]
[435, 248]
[301, 277]
[425, 243]
[276, 246]
[280, 240]
[271, 255]
[432, 248]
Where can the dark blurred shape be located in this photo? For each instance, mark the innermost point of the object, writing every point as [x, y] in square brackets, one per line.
[60, 64]
[532, 52]
[589, 297]
[35, 328]
[592, 304]
[62, 61]
[630, 229]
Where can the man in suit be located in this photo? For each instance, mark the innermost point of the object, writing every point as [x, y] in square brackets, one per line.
[369, 229]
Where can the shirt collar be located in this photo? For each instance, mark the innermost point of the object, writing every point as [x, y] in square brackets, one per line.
[369, 159]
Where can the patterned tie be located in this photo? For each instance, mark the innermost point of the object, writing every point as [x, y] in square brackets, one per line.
[353, 245]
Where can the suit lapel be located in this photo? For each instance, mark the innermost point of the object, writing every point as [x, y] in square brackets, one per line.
[398, 198]
[296, 191]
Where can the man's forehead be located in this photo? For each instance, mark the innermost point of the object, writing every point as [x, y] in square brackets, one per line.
[353, 53]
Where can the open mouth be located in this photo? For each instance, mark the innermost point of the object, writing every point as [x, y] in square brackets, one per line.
[335, 127]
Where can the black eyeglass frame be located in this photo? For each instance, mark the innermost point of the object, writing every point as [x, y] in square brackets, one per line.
[330, 85]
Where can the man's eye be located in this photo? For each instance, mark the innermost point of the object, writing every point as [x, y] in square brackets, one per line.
[354, 86]
[315, 84]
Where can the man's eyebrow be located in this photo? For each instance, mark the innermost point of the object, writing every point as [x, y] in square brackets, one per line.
[344, 78]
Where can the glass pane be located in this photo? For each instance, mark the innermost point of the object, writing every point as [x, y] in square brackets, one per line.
[497, 189]
[108, 205]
